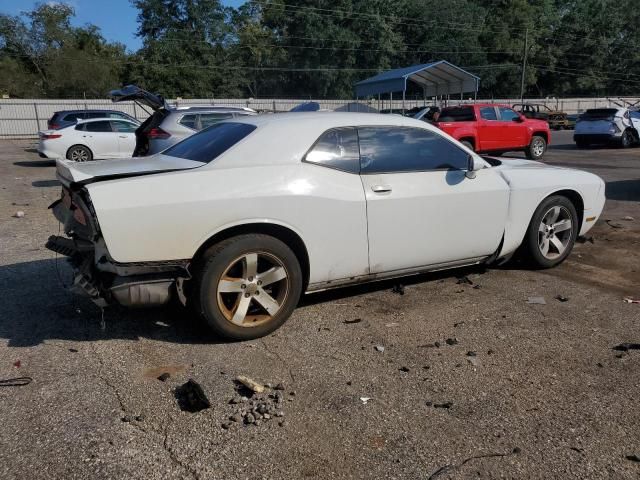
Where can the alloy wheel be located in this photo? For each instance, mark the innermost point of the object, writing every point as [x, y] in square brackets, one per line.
[253, 289]
[79, 155]
[555, 232]
[538, 147]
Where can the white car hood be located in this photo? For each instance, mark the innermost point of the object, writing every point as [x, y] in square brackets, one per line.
[74, 172]
[512, 163]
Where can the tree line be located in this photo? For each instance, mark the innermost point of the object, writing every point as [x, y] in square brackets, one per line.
[320, 48]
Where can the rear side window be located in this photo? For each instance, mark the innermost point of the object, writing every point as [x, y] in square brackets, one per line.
[488, 113]
[399, 149]
[73, 117]
[457, 114]
[116, 115]
[208, 119]
[125, 127]
[189, 121]
[103, 126]
[208, 144]
[336, 148]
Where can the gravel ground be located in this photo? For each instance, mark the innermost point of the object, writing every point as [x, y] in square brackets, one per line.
[545, 395]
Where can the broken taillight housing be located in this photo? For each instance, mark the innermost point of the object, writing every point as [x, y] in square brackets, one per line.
[50, 136]
[78, 214]
[157, 133]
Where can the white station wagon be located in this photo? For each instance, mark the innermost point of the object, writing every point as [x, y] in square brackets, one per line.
[242, 218]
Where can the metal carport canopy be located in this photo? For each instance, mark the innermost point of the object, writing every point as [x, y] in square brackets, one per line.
[437, 78]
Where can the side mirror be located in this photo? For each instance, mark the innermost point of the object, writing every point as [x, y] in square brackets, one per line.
[518, 119]
[472, 167]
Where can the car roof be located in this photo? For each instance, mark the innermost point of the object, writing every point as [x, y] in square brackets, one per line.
[204, 108]
[89, 110]
[480, 105]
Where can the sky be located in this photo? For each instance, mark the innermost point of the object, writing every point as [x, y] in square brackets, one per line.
[116, 18]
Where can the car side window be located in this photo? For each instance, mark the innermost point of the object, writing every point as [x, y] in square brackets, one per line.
[81, 126]
[402, 149]
[103, 126]
[336, 148]
[125, 127]
[208, 119]
[73, 117]
[116, 115]
[635, 115]
[189, 121]
[507, 115]
[488, 113]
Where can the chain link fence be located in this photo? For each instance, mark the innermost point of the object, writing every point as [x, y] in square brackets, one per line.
[25, 118]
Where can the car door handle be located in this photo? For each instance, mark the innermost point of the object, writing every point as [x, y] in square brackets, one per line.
[381, 188]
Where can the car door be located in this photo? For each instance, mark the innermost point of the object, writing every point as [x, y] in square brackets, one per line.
[101, 139]
[489, 129]
[513, 128]
[126, 137]
[634, 116]
[421, 208]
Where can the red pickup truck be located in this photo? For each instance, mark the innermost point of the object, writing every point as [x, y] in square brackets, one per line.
[495, 129]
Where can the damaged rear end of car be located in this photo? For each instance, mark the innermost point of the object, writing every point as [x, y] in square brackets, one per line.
[95, 273]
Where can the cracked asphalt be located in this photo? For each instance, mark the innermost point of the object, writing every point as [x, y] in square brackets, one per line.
[545, 396]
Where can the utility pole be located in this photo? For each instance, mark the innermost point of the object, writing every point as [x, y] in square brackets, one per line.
[524, 63]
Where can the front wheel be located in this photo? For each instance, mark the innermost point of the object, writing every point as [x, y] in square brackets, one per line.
[551, 233]
[248, 286]
[536, 149]
[627, 139]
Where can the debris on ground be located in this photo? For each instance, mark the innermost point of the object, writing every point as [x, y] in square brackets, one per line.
[464, 281]
[405, 369]
[446, 468]
[17, 364]
[537, 301]
[250, 384]
[392, 324]
[398, 288]
[613, 225]
[191, 397]
[473, 361]
[445, 405]
[16, 382]
[379, 348]
[20, 204]
[625, 347]
[459, 324]
[628, 218]
[471, 353]
[561, 298]
[355, 320]
[73, 350]
[633, 458]
[164, 376]
[18, 214]
[451, 341]
[365, 400]
[630, 300]
[259, 407]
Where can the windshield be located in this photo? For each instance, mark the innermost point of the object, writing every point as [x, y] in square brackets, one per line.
[211, 142]
[599, 113]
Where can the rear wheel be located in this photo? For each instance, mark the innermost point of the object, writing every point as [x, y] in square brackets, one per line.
[536, 149]
[79, 153]
[467, 144]
[552, 232]
[248, 286]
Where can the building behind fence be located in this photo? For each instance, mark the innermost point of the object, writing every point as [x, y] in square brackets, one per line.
[24, 118]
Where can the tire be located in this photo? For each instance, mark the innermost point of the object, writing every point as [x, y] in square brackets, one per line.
[540, 237]
[79, 153]
[235, 308]
[537, 148]
[467, 144]
[627, 139]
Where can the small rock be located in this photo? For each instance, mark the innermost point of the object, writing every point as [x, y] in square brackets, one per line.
[464, 281]
[280, 413]
[236, 417]
[516, 450]
[257, 423]
[451, 341]
[18, 214]
[628, 218]
[268, 385]
[489, 352]
[600, 365]
[436, 344]
[226, 426]
[379, 348]
[127, 419]
[398, 288]
[262, 408]
[281, 423]
[536, 300]
[459, 324]
[249, 418]
[139, 418]
[471, 353]
[349, 383]
[355, 320]
[279, 386]
[365, 400]
[561, 298]
[443, 405]
[429, 404]
[164, 377]
[404, 369]
[266, 416]
[292, 393]
[473, 361]
[73, 350]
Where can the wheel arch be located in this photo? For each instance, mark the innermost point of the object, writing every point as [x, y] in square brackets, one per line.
[540, 133]
[283, 233]
[66, 155]
[575, 198]
[471, 139]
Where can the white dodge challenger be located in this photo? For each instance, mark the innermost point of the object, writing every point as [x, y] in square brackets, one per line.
[241, 218]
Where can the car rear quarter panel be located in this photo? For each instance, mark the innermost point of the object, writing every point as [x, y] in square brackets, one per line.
[530, 186]
[169, 216]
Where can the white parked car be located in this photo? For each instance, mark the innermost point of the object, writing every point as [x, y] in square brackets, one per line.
[93, 139]
[241, 218]
[614, 126]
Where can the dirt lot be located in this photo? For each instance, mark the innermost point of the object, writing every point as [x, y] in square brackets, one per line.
[544, 397]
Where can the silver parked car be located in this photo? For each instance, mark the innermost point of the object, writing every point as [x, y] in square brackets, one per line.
[616, 126]
[169, 125]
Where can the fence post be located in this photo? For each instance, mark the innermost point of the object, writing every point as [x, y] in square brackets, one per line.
[35, 109]
[135, 111]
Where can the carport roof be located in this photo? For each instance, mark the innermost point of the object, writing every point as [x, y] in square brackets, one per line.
[437, 78]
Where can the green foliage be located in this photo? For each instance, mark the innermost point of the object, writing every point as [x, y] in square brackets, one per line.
[320, 48]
